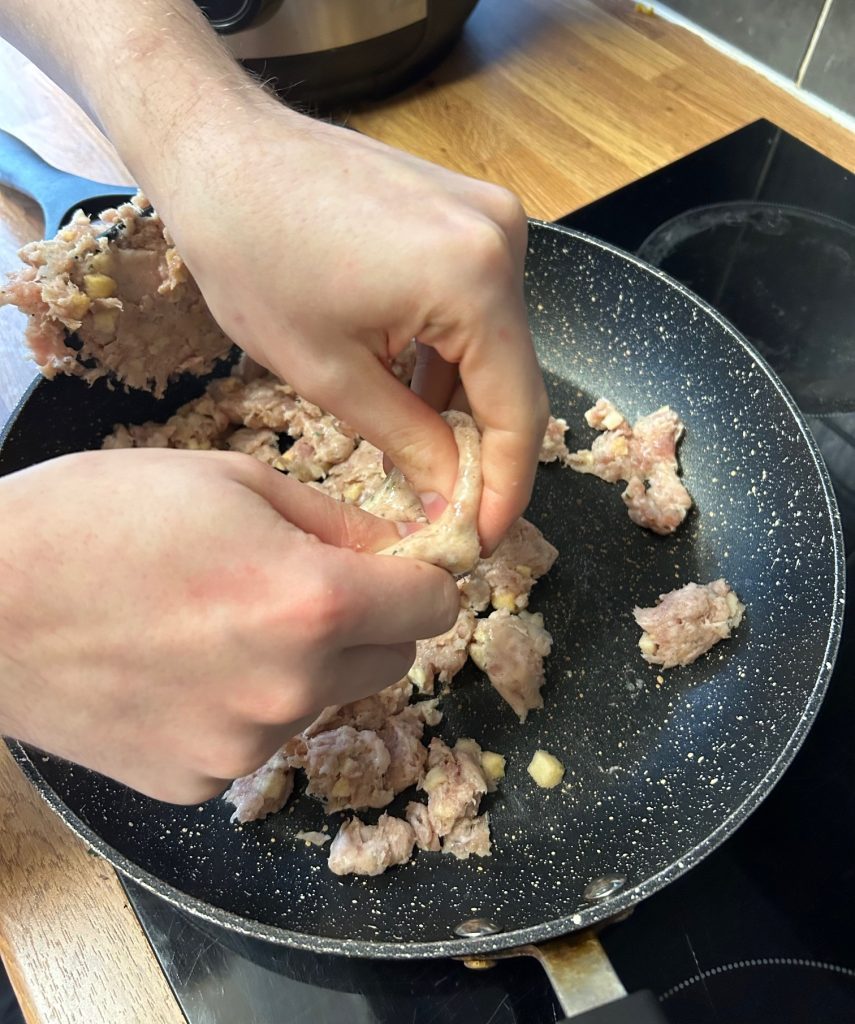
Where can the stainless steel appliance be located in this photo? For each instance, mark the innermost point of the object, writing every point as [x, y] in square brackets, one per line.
[325, 52]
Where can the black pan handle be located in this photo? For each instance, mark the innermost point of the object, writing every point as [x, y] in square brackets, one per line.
[639, 1008]
[56, 191]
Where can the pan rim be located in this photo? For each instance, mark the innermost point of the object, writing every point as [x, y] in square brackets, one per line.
[597, 912]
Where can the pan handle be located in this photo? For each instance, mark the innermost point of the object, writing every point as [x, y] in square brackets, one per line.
[587, 987]
[589, 990]
[639, 1008]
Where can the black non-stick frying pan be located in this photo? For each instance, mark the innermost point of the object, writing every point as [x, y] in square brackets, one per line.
[659, 772]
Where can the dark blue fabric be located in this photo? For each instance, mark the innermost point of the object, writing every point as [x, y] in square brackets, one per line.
[9, 1012]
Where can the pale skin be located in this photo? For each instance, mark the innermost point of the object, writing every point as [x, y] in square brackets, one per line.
[124, 645]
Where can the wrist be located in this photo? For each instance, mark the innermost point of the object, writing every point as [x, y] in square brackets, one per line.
[212, 161]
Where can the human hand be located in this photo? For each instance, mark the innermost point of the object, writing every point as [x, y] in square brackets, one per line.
[166, 620]
[322, 253]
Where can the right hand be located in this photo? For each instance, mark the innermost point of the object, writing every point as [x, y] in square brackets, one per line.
[340, 250]
[169, 618]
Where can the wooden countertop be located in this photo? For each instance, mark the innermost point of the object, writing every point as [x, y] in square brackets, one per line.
[562, 101]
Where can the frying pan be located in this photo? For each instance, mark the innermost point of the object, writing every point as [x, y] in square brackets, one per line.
[661, 767]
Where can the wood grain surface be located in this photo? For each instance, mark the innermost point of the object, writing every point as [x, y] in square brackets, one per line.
[560, 100]
[72, 945]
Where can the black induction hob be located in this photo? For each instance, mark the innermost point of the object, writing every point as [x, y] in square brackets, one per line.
[764, 228]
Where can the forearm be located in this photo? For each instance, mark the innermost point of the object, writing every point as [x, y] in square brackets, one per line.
[152, 73]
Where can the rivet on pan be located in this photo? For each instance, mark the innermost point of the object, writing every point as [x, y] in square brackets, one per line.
[474, 964]
[476, 928]
[599, 888]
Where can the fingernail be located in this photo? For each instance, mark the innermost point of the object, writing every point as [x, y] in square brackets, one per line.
[405, 529]
[433, 503]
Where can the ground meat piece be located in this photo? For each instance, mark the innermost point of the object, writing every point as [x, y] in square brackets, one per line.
[263, 402]
[313, 838]
[686, 623]
[361, 849]
[510, 649]
[264, 791]
[394, 499]
[323, 442]
[404, 363]
[469, 836]
[443, 656]
[362, 754]
[419, 819]
[261, 444]
[659, 503]
[509, 574]
[645, 456]
[402, 735]
[247, 369]
[122, 438]
[345, 768]
[451, 542]
[359, 477]
[198, 425]
[474, 591]
[455, 783]
[368, 713]
[125, 293]
[553, 447]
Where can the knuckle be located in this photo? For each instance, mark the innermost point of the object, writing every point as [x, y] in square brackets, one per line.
[489, 248]
[506, 208]
[283, 702]
[327, 609]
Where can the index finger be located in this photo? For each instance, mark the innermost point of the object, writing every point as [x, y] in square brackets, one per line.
[378, 599]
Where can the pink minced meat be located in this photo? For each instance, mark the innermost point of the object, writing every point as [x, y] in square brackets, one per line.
[419, 819]
[455, 783]
[470, 836]
[361, 849]
[351, 767]
[508, 575]
[687, 622]
[323, 441]
[367, 713]
[263, 792]
[263, 402]
[394, 499]
[198, 425]
[260, 444]
[510, 649]
[554, 448]
[404, 363]
[451, 541]
[443, 656]
[359, 477]
[130, 301]
[645, 456]
[345, 768]
[402, 735]
[261, 408]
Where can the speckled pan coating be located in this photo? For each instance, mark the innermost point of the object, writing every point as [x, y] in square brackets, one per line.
[657, 775]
